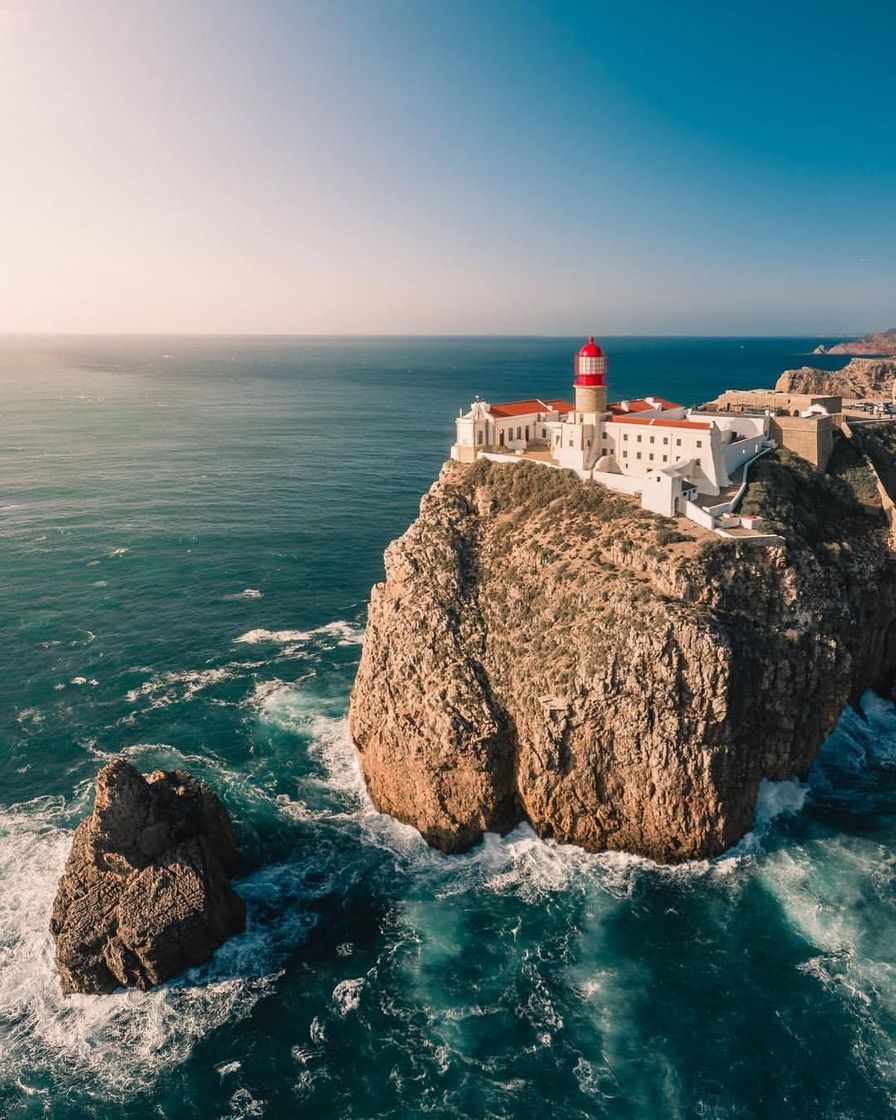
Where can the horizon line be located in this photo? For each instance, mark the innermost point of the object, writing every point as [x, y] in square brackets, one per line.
[413, 334]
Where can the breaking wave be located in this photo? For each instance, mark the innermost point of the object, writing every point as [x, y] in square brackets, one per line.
[342, 633]
[520, 938]
[169, 688]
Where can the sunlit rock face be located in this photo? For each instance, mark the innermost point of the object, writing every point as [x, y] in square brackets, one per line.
[859, 378]
[542, 650]
[146, 890]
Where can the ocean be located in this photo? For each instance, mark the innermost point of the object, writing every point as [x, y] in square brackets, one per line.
[189, 528]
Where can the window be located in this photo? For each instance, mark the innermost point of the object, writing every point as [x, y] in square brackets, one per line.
[587, 442]
[544, 433]
[665, 439]
[699, 442]
[519, 434]
[638, 456]
[665, 458]
[678, 443]
[501, 438]
[570, 443]
[479, 437]
[652, 439]
[639, 439]
[625, 437]
[527, 433]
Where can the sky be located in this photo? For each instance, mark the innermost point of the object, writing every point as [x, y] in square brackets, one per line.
[434, 167]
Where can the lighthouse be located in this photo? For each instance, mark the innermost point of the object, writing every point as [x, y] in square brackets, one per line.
[591, 378]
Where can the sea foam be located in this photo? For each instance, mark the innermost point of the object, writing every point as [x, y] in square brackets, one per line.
[116, 1045]
[344, 633]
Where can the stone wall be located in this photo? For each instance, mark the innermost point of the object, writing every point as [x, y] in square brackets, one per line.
[810, 437]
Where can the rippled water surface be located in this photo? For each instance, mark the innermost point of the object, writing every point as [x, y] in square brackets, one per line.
[188, 532]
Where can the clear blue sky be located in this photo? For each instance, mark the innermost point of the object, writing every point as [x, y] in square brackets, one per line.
[421, 166]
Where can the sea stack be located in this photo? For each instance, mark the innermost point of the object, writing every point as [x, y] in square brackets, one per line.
[146, 890]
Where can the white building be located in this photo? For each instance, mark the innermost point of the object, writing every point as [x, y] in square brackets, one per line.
[652, 447]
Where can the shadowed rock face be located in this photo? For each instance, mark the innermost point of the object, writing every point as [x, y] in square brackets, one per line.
[541, 650]
[146, 890]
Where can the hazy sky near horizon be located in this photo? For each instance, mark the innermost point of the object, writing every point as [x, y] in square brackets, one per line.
[417, 166]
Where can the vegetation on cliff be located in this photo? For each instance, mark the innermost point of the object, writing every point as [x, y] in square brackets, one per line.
[813, 510]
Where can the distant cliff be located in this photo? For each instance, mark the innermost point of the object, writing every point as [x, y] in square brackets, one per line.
[542, 650]
[862, 377]
[880, 344]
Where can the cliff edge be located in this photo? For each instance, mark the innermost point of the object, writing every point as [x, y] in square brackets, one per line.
[859, 378]
[542, 650]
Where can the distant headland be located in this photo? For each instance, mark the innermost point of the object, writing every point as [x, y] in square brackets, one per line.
[880, 344]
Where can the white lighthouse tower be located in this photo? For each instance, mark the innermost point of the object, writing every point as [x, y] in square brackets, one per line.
[591, 379]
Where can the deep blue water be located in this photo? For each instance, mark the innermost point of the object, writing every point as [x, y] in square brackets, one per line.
[188, 532]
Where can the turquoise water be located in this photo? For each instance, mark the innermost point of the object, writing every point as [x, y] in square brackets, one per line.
[188, 532]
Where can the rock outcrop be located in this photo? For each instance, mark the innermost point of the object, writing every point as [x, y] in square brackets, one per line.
[880, 344]
[542, 650]
[146, 890]
[860, 378]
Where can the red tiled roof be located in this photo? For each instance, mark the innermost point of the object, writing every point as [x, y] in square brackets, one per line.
[659, 422]
[633, 406]
[642, 405]
[527, 408]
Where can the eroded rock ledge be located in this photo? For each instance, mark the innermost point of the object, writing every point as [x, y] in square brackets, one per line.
[859, 378]
[146, 890]
[542, 650]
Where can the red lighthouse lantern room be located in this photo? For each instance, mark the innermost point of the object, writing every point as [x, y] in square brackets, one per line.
[591, 365]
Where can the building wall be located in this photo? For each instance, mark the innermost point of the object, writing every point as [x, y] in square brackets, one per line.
[699, 515]
[741, 451]
[811, 437]
[734, 399]
[660, 493]
[623, 483]
[663, 447]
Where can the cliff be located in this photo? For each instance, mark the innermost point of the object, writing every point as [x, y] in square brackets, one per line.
[542, 650]
[881, 344]
[862, 377]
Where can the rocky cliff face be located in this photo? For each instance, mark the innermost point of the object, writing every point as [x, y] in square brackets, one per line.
[542, 650]
[146, 890]
[862, 377]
